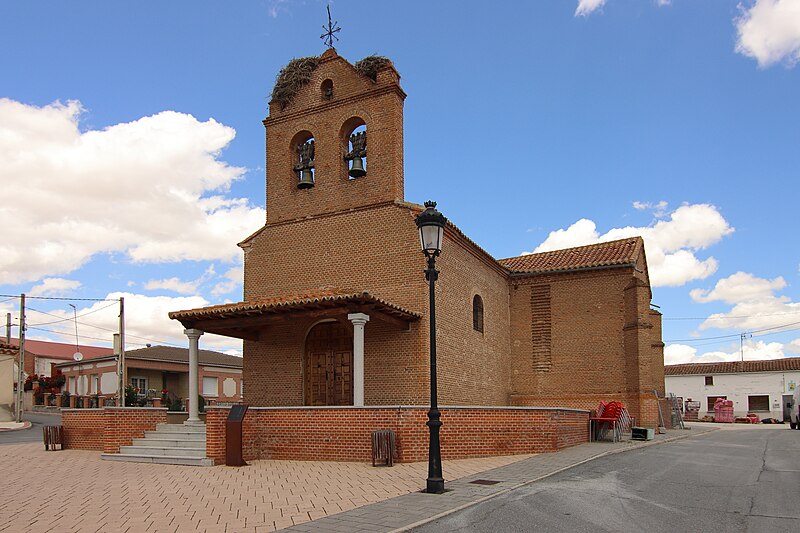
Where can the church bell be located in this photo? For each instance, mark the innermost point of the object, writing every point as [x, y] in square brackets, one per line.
[357, 169]
[306, 180]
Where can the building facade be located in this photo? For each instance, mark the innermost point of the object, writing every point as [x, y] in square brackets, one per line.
[335, 307]
[760, 387]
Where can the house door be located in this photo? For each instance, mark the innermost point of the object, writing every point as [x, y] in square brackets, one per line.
[329, 365]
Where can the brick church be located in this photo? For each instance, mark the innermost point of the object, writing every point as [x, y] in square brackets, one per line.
[335, 307]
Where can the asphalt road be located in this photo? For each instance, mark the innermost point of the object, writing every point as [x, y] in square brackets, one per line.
[730, 480]
[32, 434]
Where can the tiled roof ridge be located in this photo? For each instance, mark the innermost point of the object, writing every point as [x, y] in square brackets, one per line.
[732, 367]
[305, 297]
[637, 238]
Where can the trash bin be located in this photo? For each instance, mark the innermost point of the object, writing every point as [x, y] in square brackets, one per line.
[53, 435]
[233, 436]
[383, 447]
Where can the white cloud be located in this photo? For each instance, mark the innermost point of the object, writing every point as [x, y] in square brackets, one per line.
[769, 31]
[177, 285]
[753, 351]
[755, 303]
[233, 279]
[670, 244]
[586, 7]
[659, 209]
[146, 321]
[793, 346]
[54, 287]
[153, 189]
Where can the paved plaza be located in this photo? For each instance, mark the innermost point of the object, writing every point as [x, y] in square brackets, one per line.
[75, 491]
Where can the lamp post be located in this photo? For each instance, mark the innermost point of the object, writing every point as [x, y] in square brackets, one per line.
[431, 232]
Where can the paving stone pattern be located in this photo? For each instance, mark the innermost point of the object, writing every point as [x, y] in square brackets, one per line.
[75, 491]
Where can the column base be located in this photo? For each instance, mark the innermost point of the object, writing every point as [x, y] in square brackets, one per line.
[195, 422]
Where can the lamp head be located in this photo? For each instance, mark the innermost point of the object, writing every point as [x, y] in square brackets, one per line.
[431, 229]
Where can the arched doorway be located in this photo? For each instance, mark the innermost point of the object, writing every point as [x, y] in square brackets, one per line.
[329, 365]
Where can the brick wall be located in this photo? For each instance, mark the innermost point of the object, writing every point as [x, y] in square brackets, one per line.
[83, 428]
[344, 434]
[109, 428]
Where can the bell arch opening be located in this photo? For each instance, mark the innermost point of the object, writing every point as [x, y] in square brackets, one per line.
[302, 148]
[354, 144]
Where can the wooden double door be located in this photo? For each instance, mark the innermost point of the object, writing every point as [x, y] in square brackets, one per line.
[329, 365]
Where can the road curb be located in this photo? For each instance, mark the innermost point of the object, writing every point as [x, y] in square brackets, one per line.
[637, 446]
[25, 425]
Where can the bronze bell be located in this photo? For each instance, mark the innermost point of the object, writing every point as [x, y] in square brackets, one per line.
[306, 180]
[357, 169]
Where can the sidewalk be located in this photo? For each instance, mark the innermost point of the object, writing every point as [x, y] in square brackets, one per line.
[414, 509]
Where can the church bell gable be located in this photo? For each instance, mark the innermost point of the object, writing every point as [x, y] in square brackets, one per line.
[334, 137]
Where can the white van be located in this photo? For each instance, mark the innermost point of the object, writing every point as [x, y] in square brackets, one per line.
[794, 407]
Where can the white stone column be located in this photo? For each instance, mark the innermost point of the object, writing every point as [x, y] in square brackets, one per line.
[194, 408]
[358, 320]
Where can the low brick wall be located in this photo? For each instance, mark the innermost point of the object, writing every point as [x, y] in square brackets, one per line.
[109, 428]
[83, 428]
[344, 433]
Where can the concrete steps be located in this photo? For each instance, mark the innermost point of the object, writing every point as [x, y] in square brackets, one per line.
[171, 444]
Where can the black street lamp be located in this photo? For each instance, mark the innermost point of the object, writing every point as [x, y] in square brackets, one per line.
[431, 232]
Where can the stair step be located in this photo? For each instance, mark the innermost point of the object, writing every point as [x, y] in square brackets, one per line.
[200, 428]
[170, 442]
[159, 459]
[162, 450]
[175, 435]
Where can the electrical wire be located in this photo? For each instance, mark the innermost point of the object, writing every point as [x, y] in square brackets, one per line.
[731, 316]
[65, 319]
[61, 298]
[737, 334]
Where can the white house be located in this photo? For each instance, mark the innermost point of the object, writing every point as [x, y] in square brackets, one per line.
[761, 387]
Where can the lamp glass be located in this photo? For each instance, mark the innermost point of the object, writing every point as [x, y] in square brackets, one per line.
[431, 237]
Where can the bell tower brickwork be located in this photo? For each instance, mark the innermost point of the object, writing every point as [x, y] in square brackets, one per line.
[336, 100]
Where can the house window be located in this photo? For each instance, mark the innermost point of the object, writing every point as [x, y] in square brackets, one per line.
[758, 403]
[709, 380]
[210, 386]
[139, 385]
[712, 400]
[477, 313]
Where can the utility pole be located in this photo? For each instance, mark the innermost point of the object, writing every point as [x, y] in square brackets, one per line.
[21, 374]
[121, 355]
[8, 328]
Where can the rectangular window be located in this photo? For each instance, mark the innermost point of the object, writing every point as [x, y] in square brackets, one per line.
[758, 403]
[210, 386]
[139, 385]
[712, 400]
[709, 380]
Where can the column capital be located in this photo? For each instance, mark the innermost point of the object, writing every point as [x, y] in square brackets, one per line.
[358, 318]
[193, 333]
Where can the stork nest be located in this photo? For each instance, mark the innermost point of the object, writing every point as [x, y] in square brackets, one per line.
[370, 65]
[292, 77]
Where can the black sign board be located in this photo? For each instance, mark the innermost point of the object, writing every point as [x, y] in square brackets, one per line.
[237, 413]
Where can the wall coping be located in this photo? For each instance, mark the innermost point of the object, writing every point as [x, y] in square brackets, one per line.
[115, 408]
[84, 410]
[398, 407]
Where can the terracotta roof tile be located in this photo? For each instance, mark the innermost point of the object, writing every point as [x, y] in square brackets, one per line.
[288, 302]
[612, 253]
[176, 355]
[734, 367]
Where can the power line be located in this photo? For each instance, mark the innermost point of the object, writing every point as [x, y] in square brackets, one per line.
[738, 334]
[62, 298]
[65, 319]
[730, 316]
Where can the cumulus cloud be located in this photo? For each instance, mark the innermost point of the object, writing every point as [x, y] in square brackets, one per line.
[152, 189]
[54, 287]
[175, 284]
[671, 245]
[659, 209]
[233, 280]
[755, 303]
[753, 351]
[769, 31]
[146, 321]
[586, 7]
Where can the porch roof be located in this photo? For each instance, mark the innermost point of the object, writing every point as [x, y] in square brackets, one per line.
[244, 319]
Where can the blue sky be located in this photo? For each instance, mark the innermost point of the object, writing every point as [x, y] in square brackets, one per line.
[132, 149]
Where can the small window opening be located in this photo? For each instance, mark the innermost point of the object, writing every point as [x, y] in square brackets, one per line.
[357, 153]
[327, 89]
[709, 380]
[304, 164]
[477, 313]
